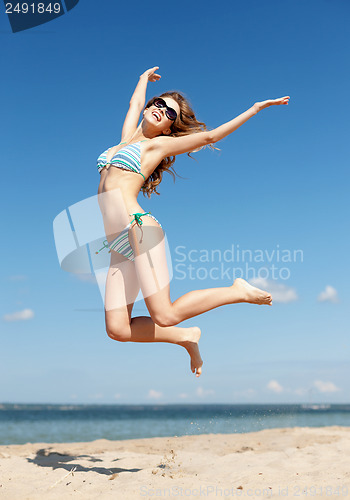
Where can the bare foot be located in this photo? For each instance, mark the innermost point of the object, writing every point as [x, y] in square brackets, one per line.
[191, 346]
[251, 294]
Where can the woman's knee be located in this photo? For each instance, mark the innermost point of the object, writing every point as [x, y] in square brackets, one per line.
[119, 332]
[165, 318]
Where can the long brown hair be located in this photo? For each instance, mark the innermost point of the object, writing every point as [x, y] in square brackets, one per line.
[185, 123]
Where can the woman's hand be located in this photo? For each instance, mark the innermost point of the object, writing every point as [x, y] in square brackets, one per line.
[151, 75]
[258, 106]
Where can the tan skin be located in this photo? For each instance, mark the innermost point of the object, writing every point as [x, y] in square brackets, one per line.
[164, 314]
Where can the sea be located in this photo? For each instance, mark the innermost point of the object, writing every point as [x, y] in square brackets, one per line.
[55, 423]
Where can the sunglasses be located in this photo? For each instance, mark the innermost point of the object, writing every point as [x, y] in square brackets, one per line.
[169, 112]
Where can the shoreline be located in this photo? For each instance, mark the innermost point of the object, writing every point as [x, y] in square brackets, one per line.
[270, 462]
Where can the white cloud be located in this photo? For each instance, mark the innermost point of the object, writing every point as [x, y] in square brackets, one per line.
[204, 392]
[279, 291]
[117, 396]
[274, 386]
[183, 395]
[19, 315]
[326, 386]
[329, 294]
[154, 394]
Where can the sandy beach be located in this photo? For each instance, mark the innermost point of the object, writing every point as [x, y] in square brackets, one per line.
[290, 462]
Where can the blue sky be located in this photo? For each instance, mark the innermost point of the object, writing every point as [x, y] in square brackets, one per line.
[278, 183]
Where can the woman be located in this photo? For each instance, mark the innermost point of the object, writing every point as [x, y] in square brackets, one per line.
[135, 238]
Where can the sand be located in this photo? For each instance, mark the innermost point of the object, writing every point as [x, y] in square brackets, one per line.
[298, 462]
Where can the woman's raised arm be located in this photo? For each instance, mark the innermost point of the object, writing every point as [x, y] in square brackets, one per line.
[229, 127]
[137, 102]
[172, 146]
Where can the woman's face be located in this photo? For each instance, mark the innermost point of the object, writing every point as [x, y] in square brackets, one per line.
[156, 117]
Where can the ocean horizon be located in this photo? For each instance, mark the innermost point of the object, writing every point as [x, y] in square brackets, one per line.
[59, 423]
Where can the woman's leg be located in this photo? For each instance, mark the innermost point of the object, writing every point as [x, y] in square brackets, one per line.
[122, 288]
[151, 267]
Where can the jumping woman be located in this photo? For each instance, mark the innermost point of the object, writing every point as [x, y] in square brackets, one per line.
[135, 239]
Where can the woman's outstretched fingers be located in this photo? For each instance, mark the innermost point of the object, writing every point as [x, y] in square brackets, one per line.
[152, 75]
[282, 100]
[271, 102]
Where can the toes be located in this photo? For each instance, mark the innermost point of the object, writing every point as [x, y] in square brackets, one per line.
[196, 371]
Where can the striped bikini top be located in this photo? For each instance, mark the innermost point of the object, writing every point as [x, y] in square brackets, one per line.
[127, 158]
